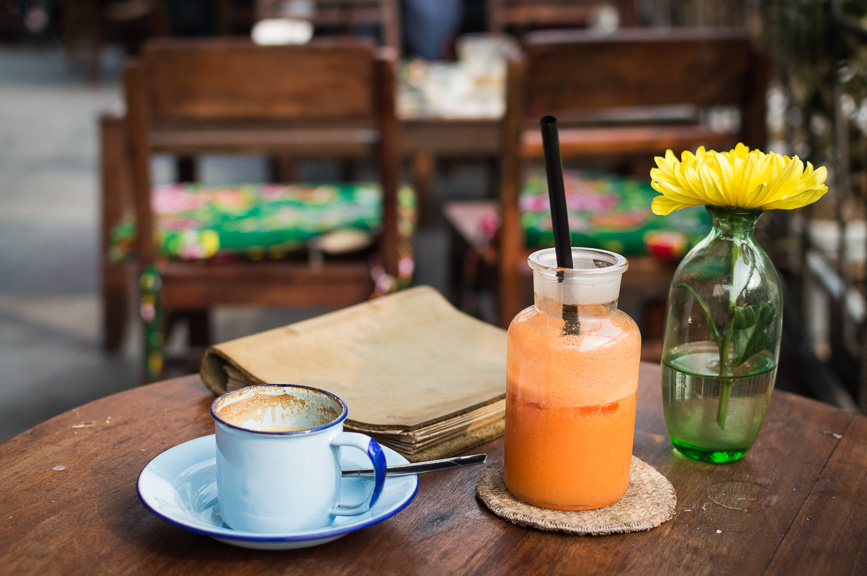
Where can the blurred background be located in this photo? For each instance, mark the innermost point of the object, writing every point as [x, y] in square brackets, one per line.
[61, 65]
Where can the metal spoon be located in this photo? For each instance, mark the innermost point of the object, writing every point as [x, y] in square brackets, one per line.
[422, 467]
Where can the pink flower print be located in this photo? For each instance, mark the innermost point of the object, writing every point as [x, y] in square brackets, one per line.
[147, 310]
[576, 223]
[191, 252]
[275, 192]
[533, 203]
[489, 226]
[176, 198]
[405, 267]
[589, 199]
[171, 223]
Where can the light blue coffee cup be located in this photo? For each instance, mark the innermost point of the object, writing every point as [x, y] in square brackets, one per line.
[278, 466]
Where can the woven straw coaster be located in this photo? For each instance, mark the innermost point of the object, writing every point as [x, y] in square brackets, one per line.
[649, 501]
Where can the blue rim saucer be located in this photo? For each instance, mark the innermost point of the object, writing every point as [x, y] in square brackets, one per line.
[180, 486]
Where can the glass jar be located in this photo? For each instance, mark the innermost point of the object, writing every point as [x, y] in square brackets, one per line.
[721, 341]
[572, 378]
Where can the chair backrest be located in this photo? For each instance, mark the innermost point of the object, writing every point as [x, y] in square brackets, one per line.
[199, 96]
[583, 71]
[635, 92]
[343, 15]
[521, 16]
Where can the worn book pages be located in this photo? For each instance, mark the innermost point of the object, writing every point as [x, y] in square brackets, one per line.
[412, 369]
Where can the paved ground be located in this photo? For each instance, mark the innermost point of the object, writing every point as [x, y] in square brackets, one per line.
[50, 358]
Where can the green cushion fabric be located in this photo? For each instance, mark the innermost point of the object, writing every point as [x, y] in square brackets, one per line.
[613, 213]
[198, 222]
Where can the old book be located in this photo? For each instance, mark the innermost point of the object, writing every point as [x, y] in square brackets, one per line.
[416, 373]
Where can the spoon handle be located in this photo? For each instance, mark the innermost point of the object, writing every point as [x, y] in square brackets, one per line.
[422, 467]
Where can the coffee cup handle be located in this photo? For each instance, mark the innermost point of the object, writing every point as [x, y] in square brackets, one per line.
[373, 451]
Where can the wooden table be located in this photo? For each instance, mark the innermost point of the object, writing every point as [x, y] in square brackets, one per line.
[68, 504]
[426, 139]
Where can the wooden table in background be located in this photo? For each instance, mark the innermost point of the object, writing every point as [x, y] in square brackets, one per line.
[68, 504]
[426, 139]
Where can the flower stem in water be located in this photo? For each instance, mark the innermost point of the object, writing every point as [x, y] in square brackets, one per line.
[726, 385]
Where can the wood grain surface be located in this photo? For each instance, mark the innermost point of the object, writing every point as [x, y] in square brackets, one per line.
[794, 505]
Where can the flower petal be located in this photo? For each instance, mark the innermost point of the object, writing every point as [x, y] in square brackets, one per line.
[739, 178]
[662, 206]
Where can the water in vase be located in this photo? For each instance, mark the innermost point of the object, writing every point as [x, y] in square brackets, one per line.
[693, 390]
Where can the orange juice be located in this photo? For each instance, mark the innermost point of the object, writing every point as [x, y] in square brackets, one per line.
[570, 395]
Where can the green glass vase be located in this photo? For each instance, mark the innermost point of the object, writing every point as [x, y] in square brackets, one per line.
[721, 341]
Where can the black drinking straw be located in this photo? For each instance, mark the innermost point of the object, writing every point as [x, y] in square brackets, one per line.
[556, 191]
[559, 217]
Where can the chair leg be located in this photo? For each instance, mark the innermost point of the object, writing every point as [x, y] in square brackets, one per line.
[198, 324]
[492, 167]
[510, 296]
[115, 302]
[283, 168]
[186, 169]
[348, 170]
[457, 250]
[114, 197]
[199, 327]
[654, 318]
[423, 166]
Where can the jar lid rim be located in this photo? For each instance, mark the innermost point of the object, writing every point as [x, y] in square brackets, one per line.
[545, 260]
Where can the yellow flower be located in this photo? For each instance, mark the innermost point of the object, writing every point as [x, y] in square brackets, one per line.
[740, 179]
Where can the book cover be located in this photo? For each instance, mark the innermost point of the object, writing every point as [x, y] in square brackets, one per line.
[413, 370]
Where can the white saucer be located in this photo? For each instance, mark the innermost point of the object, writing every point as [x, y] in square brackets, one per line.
[180, 485]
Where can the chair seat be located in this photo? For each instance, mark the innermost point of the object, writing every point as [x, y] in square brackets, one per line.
[262, 221]
[610, 212]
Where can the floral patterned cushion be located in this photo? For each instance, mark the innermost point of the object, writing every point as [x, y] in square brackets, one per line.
[255, 221]
[612, 213]
[198, 222]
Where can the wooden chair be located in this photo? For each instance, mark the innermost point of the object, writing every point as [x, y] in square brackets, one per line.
[221, 96]
[632, 94]
[521, 16]
[345, 16]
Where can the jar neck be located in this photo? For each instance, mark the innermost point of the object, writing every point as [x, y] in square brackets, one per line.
[554, 307]
[732, 223]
